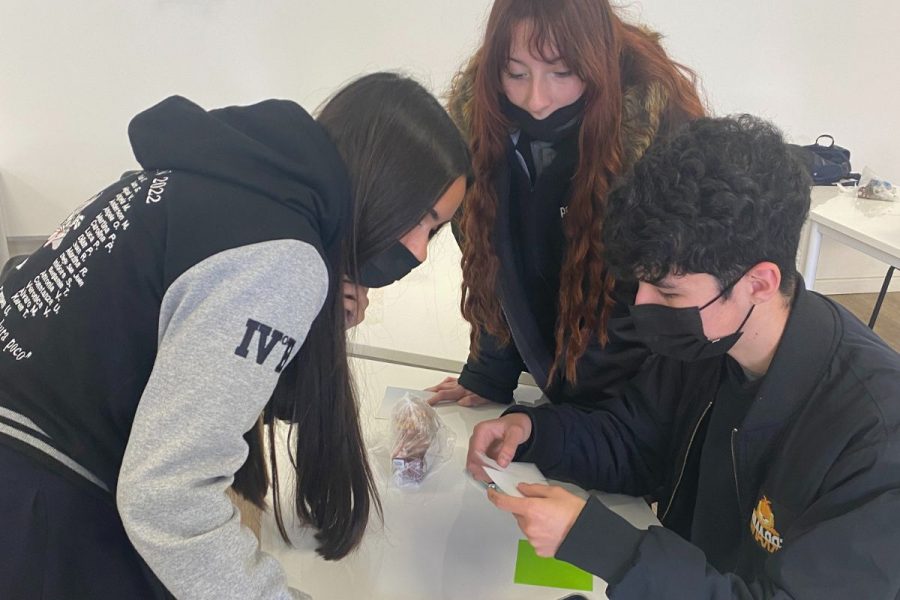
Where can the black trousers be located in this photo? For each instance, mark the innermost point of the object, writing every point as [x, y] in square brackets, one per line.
[60, 541]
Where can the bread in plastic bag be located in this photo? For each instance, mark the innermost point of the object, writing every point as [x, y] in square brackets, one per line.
[871, 187]
[420, 441]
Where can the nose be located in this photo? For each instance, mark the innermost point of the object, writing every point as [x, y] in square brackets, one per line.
[538, 98]
[416, 241]
[421, 250]
[645, 294]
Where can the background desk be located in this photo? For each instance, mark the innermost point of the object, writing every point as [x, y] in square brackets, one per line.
[870, 226]
[444, 540]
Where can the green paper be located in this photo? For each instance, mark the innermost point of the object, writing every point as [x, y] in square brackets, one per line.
[532, 569]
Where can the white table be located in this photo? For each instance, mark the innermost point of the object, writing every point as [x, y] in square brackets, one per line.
[870, 226]
[444, 540]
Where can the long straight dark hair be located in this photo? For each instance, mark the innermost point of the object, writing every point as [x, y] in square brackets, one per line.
[402, 152]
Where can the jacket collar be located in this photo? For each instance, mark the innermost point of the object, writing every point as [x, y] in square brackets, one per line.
[801, 360]
[803, 356]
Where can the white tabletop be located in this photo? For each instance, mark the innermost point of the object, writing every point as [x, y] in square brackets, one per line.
[875, 223]
[442, 540]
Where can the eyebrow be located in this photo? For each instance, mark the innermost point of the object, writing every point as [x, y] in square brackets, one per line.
[556, 60]
[665, 285]
[434, 214]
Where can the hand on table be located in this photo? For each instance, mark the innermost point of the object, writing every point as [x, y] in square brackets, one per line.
[545, 515]
[449, 390]
[356, 301]
[498, 439]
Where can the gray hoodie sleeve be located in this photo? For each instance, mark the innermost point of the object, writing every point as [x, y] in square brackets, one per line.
[227, 327]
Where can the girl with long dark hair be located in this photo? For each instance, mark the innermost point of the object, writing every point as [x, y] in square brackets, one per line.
[180, 303]
[558, 102]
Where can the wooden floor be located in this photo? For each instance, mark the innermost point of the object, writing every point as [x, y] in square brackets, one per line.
[888, 323]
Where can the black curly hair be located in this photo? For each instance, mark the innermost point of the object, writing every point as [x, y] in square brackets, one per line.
[718, 196]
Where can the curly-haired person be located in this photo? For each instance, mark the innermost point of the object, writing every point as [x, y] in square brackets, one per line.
[766, 424]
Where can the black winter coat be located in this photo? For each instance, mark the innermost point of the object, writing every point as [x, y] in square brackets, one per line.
[495, 371]
[816, 466]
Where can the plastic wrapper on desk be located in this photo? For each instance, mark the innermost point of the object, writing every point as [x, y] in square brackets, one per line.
[871, 187]
[421, 442]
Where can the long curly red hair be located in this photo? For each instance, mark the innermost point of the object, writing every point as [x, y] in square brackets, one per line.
[608, 55]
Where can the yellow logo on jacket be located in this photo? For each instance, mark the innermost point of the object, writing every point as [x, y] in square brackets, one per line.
[762, 525]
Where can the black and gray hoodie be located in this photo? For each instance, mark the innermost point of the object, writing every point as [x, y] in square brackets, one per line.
[146, 336]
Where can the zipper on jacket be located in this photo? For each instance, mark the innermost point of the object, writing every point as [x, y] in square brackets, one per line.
[737, 486]
[687, 454]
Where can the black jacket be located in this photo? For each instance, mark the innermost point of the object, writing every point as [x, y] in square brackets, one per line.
[816, 466]
[494, 373]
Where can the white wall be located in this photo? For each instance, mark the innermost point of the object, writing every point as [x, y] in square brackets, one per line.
[73, 73]
[812, 66]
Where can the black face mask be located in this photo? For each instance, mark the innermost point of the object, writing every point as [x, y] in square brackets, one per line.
[678, 332]
[391, 265]
[552, 128]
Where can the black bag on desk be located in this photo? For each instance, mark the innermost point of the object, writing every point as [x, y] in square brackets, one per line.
[826, 164]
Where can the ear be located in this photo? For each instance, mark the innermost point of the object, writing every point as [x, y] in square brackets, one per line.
[764, 279]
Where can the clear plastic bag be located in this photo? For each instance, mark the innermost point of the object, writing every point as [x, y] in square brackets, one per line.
[871, 187]
[420, 441]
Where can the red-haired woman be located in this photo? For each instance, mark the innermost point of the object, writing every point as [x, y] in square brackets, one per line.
[559, 101]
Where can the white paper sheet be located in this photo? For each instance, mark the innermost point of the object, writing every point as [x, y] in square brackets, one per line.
[508, 479]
